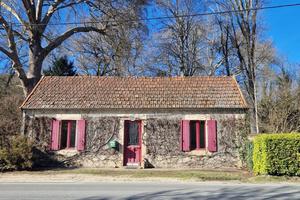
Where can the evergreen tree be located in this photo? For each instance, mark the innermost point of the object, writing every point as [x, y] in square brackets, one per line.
[61, 67]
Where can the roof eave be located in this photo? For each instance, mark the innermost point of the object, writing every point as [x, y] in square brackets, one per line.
[241, 93]
[188, 108]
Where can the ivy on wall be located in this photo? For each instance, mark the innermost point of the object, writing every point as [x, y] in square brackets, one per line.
[162, 136]
[100, 131]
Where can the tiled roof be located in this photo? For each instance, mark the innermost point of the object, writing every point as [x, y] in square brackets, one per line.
[92, 92]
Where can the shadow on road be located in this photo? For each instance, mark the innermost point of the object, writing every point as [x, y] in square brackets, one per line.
[228, 193]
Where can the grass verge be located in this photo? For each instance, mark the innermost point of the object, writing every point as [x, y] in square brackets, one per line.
[161, 174]
[182, 174]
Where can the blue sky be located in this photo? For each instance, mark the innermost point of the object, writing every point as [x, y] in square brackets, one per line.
[281, 25]
[283, 28]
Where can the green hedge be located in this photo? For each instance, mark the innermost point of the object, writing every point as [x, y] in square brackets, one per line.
[276, 154]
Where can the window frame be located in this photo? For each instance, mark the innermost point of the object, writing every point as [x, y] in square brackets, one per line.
[69, 128]
[210, 136]
[198, 131]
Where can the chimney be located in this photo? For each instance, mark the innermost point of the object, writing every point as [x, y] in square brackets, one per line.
[181, 74]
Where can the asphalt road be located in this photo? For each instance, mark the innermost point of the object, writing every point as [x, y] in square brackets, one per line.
[146, 190]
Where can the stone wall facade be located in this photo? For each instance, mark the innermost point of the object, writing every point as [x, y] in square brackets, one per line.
[39, 130]
[99, 131]
[160, 139]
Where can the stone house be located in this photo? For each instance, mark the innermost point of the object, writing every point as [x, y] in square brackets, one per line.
[138, 121]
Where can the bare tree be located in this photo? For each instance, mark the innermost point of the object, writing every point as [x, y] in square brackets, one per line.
[279, 108]
[181, 38]
[241, 28]
[116, 52]
[225, 32]
[187, 44]
[212, 58]
[30, 31]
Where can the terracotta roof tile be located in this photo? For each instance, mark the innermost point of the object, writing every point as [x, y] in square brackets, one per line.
[91, 92]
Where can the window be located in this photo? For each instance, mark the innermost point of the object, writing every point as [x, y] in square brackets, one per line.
[133, 133]
[68, 134]
[197, 134]
[202, 135]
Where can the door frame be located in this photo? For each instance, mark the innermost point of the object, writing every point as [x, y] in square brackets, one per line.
[126, 140]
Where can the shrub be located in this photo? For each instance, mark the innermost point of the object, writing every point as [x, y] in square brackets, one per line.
[16, 156]
[11, 117]
[11, 97]
[276, 154]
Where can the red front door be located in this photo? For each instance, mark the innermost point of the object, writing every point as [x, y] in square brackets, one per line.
[132, 142]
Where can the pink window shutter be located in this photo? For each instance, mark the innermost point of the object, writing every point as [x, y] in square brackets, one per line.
[212, 135]
[80, 135]
[185, 129]
[55, 135]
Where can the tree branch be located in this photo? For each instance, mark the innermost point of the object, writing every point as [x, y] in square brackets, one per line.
[6, 52]
[14, 13]
[70, 4]
[13, 55]
[55, 7]
[50, 12]
[9, 32]
[39, 10]
[29, 10]
[60, 39]
[20, 35]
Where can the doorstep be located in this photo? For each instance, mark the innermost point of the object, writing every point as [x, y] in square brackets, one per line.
[132, 166]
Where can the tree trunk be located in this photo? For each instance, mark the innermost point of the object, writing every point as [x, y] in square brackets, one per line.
[36, 58]
[254, 110]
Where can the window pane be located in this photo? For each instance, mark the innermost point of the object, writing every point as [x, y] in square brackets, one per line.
[133, 133]
[73, 133]
[202, 134]
[193, 144]
[64, 134]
